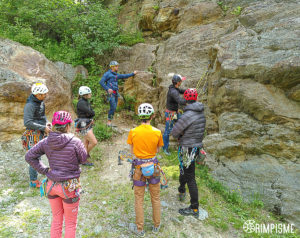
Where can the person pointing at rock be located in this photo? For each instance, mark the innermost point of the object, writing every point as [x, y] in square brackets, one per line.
[109, 82]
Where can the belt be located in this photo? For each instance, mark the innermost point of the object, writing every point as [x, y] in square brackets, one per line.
[169, 111]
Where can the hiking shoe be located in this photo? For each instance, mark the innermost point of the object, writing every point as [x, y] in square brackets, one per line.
[136, 231]
[181, 197]
[155, 229]
[88, 164]
[35, 184]
[166, 151]
[189, 212]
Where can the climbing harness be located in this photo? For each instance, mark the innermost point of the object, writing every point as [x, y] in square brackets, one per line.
[138, 165]
[30, 138]
[172, 115]
[187, 156]
[83, 125]
[70, 185]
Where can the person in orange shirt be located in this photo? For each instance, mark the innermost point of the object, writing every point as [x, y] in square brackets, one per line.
[145, 142]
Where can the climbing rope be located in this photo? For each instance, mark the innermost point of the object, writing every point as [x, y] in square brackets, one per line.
[202, 83]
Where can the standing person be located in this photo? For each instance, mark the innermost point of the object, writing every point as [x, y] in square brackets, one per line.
[145, 141]
[36, 124]
[84, 122]
[64, 152]
[171, 113]
[109, 82]
[190, 130]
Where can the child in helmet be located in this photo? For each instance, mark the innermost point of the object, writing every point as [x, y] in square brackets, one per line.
[84, 122]
[171, 113]
[109, 82]
[145, 141]
[64, 152]
[189, 129]
[36, 124]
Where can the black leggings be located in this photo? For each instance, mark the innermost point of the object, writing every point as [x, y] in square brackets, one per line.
[189, 178]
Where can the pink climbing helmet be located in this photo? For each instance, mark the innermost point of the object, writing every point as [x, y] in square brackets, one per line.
[61, 118]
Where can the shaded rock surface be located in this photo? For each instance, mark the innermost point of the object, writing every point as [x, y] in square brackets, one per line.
[20, 67]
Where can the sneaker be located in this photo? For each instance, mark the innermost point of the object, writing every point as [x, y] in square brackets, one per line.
[88, 164]
[181, 197]
[35, 184]
[136, 231]
[189, 212]
[166, 151]
[155, 229]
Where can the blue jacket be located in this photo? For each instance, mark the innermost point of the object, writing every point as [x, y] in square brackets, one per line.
[110, 80]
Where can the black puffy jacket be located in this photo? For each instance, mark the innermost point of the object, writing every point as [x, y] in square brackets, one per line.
[84, 109]
[190, 126]
[34, 114]
[174, 99]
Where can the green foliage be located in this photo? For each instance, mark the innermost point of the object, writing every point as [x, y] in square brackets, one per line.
[237, 11]
[131, 38]
[102, 132]
[129, 102]
[223, 6]
[156, 7]
[64, 30]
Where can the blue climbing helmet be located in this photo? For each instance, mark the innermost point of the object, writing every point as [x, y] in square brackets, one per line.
[113, 63]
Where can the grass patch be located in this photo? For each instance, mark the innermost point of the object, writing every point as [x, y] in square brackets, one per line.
[226, 208]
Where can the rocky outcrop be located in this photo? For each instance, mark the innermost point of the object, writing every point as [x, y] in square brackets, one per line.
[70, 72]
[252, 100]
[20, 67]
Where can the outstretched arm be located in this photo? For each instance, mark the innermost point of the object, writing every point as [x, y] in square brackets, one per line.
[125, 76]
[178, 98]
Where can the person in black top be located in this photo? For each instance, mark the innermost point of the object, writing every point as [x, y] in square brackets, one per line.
[84, 122]
[37, 126]
[171, 113]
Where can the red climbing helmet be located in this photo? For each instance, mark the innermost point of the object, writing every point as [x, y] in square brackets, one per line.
[61, 118]
[190, 94]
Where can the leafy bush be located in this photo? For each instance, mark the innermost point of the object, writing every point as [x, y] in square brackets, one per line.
[102, 132]
[129, 102]
[64, 30]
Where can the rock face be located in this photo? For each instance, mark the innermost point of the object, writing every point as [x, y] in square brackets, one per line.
[20, 67]
[252, 97]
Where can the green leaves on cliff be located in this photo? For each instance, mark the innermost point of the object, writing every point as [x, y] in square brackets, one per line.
[62, 29]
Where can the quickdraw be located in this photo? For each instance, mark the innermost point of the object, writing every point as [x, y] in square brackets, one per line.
[30, 138]
[186, 158]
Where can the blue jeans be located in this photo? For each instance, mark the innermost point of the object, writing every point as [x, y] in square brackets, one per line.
[168, 129]
[113, 101]
[33, 173]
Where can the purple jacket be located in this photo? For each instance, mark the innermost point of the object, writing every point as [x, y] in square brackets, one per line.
[64, 152]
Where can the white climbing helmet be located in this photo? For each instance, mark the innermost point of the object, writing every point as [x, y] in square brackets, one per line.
[145, 111]
[84, 90]
[39, 88]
